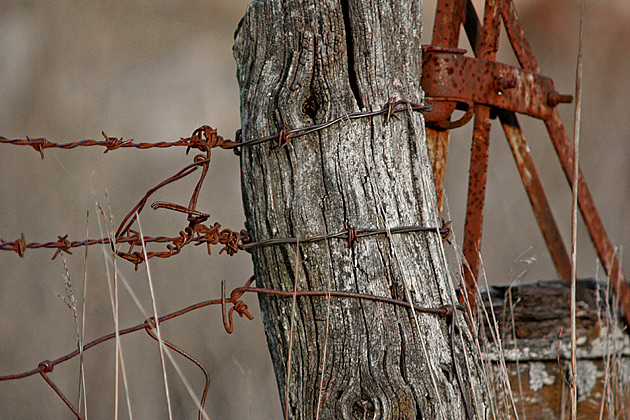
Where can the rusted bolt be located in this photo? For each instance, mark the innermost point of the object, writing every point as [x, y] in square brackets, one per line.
[502, 83]
[554, 98]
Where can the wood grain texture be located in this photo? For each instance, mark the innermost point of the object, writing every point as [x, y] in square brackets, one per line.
[301, 63]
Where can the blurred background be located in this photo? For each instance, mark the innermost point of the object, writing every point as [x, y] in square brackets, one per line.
[154, 71]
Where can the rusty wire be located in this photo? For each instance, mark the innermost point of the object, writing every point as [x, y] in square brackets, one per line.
[185, 354]
[112, 143]
[390, 109]
[238, 306]
[199, 234]
[46, 367]
[209, 235]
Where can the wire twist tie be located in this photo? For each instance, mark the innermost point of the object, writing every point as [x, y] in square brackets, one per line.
[352, 235]
[46, 365]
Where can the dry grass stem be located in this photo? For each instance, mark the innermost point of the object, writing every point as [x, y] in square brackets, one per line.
[156, 317]
[574, 209]
[71, 303]
[82, 387]
[113, 296]
[291, 327]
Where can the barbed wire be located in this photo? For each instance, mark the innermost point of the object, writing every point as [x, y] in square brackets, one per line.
[201, 234]
[390, 109]
[204, 139]
[240, 307]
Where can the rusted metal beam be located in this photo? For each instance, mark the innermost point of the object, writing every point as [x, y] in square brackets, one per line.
[449, 15]
[449, 74]
[476, 199]
[516, 35]
[486, 49]
[602, 243]
[537, 198]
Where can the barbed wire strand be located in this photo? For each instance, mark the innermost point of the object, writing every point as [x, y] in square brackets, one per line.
[47, 366]
[40, 144]
[199, 234]
[242, 310]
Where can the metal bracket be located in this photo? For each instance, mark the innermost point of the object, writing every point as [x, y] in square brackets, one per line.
[452, 77]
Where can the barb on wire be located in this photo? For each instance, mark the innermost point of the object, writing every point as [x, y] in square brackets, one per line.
[239, 306]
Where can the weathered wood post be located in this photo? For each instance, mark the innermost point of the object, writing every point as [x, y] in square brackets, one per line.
[306, 62]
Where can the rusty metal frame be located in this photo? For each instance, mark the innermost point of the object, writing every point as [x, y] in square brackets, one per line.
[451, 79]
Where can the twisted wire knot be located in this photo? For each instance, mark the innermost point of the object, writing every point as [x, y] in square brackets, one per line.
[352, 235]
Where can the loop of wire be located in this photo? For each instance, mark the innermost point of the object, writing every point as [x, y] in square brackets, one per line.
[45, 367]
[202, 402]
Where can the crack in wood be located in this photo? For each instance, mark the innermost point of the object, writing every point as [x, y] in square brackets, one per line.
[352, 74]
